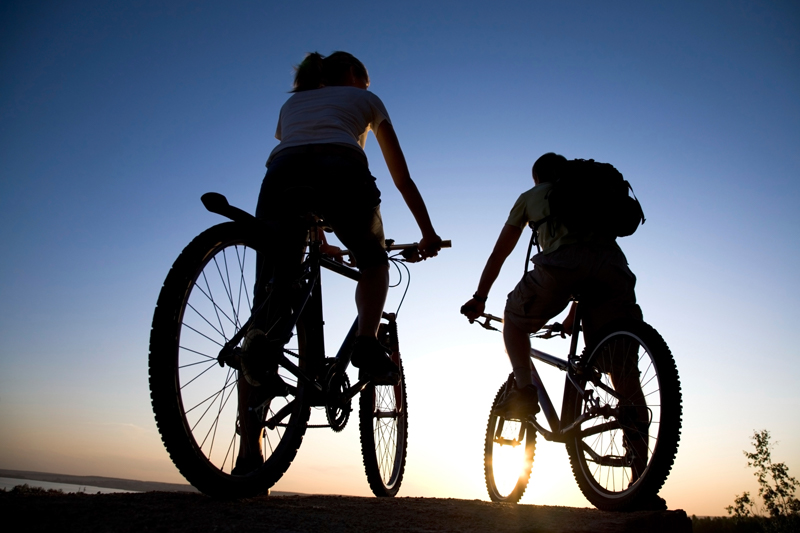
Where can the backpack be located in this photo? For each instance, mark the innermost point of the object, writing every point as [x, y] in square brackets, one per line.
[591, 197]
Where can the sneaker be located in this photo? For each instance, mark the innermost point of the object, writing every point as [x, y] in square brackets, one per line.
[518, 404]
[258, 368]
[246, 465]
[653, 503]
[371, 358]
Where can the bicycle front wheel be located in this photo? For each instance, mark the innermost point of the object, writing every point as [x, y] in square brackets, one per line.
[628, 405]
[508, 452]
[205, 300]
[383, 418]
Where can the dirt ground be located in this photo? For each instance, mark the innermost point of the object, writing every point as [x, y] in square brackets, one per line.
[185, 512]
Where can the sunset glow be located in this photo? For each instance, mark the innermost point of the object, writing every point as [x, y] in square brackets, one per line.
[116, 117]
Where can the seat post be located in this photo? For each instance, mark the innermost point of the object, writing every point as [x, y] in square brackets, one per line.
[576, 328]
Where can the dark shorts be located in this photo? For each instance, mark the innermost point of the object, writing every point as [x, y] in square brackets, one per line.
[599, 273]
[333, 185]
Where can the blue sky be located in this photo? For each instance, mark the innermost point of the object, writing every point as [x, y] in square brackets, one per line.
[115, 118]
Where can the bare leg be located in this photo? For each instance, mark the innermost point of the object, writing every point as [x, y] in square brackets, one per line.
[518, 347]
[370, 298]
[250, 427]
[634, 416]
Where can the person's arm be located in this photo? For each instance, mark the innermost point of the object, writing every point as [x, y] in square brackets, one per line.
[430, 244]
[569, 322]
[509, 236]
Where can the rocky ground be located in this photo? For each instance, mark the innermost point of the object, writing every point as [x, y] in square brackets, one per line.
[38, 510]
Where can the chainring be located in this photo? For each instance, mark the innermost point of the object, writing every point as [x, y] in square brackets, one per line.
[336, 411]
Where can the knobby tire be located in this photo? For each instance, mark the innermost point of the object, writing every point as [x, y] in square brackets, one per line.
[610, 479]
[502, 461]
[204, 301]
[383, 424]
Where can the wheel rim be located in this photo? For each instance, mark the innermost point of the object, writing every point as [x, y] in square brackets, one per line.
[610, 449]
[507, 459]
[217, 303]
[388, 421]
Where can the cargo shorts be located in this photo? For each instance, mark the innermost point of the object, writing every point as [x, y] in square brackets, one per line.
[598, 273]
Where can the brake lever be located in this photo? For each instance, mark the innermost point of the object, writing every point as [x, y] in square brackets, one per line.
[411, 254]
[487, 323]
[552, 330]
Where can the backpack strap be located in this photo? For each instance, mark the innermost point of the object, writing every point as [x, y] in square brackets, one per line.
[630, 188]
[534, 225]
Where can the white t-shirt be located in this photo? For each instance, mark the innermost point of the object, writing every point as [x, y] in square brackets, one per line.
[337, 115]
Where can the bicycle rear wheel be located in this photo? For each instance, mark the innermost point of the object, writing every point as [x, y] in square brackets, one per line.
[205, 300]
[508, 452]
[629, 404]
[383, 424]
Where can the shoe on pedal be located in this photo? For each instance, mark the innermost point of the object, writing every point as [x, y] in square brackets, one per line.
[518, 404]
[259, 364]
[371, 358]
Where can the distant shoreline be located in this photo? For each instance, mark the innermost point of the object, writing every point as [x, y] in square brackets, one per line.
[99, 481]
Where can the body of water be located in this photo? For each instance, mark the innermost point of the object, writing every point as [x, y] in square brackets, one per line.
[9, 483]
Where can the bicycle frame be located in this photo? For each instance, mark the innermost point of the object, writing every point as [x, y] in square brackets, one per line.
[309, 300]
[573, 367]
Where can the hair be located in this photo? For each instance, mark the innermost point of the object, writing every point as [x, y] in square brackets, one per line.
[317, 71]
[547, 168]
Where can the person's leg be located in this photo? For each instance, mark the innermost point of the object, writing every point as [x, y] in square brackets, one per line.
[250, 430]
[612, 297]
[283, 253]
[540, 295]
[370, 298]
[518, 347]
[349, 201]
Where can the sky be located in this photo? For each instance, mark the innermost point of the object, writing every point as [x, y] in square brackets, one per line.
[115, 117]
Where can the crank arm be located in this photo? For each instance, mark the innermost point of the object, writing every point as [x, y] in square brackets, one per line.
[276, 419]
[355, 389]
[547, 434]
[605, 460]
[600, 428]
[299, 374]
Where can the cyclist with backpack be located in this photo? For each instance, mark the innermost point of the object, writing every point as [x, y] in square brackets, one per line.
[586, 261]
[320, 167]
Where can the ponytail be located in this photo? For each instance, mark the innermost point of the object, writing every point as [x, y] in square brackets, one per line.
[317, 70]
[308, 74]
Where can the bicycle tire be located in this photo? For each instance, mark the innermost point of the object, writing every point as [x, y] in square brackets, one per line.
[383, 425]
[205, 299]
[502, 459]
[606, 459]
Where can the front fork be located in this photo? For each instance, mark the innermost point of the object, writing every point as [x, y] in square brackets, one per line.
[387, 336]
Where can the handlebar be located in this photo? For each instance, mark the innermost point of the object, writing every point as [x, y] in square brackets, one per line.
[548, 331]
[408, 251]
[486, 324]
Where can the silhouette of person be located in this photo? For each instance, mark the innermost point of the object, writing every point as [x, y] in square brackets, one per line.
[320, 166]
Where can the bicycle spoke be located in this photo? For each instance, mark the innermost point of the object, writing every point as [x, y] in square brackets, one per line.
[203, 335]
[213, 429]
[225, 290]
[211, 365]
[211, 398]
[202, 317]
[201, 354]
[216, 307]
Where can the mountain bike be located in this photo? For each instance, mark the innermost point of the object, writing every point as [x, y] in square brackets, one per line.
[620, 417]
[204, 312]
